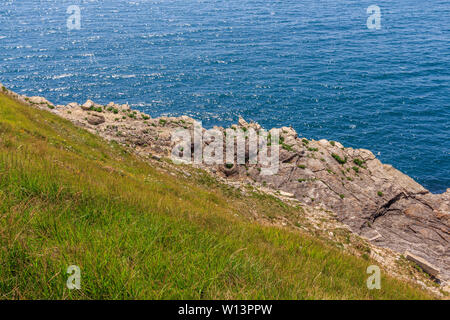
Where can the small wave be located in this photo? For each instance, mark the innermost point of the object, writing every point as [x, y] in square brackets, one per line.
[61, 76]
[123, 76]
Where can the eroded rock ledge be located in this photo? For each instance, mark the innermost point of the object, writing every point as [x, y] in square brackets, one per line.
[375, 200]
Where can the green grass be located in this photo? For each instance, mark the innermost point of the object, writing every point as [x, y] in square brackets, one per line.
[358, 162]
[287, 147]
[339, 159]
[68, 197]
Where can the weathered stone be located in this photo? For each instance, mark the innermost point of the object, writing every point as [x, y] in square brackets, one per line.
[289, 132]
[87, 105]
[40, 100]
[73, 105]
[425, 265]
[286, 194]
[96, 119]
[242, 122]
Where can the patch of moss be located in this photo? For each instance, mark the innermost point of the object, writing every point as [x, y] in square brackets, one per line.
[339, 159]
[358, 162]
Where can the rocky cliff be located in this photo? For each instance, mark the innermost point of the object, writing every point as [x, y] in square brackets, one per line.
[375, 200]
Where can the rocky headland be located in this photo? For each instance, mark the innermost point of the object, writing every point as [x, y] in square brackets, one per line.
[376, 201]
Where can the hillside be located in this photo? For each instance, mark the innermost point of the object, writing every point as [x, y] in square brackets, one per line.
[145, 229]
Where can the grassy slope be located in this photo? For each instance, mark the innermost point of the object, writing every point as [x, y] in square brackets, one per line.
[68, 197]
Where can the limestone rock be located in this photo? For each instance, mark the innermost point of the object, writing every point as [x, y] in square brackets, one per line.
[96, 119]
[40, 100]
[87, 105]
[242, 122]
[73, 105]
[425, 265]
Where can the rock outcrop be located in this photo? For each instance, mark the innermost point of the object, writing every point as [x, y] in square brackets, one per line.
[375, 200]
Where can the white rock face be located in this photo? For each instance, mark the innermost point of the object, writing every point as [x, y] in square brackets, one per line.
[286, 194]
[73, 105]
[88, 104]
[290, 132]
[242, 122]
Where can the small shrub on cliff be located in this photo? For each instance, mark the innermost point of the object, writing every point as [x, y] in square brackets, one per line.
[358, 162]
[287, 147]
[339, 159]
[97, 109]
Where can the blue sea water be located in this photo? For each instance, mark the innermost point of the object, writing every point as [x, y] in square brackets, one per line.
[311, 64]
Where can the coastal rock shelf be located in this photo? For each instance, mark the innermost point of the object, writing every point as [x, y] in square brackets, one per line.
[375, 200]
